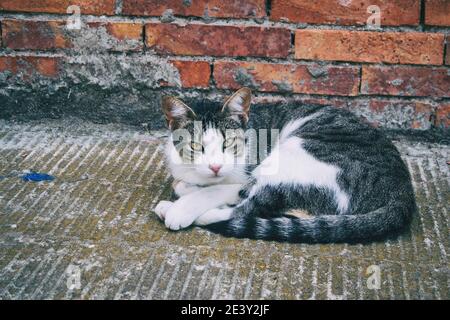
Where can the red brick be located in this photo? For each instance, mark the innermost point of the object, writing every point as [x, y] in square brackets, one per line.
[362, 46]
[40, 35]
[437, 12]
[123, 31]
[271, 77]
[197, 8]
[258, 99]
[199, 39]
[27, 66]
[406, 81]
[94, 7]
[45, 35]
[393, 12]
[193, 74]
[443, 116]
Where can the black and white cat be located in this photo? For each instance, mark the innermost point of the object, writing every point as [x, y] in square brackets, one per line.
[327, 177]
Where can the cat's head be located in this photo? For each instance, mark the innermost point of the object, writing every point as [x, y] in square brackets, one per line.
[207, 140]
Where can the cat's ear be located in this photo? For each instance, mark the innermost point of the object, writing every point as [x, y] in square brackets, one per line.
[176, 112]
[238, 105]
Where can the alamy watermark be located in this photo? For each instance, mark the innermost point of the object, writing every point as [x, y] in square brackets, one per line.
[73, 281]
[249, 147]
[73, 22]
[374, 21]
[374, 277]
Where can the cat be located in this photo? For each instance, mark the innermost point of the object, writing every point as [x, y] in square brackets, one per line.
[327, 178]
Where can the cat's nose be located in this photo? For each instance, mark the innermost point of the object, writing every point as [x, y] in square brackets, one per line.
[215, 168]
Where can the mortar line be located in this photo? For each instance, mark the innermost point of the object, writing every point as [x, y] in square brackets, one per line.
[220, 21]
[280, 61]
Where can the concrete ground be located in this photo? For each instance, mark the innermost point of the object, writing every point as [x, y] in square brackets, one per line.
[94, 224]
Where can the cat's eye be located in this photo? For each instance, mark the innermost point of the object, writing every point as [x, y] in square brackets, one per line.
[195, 146]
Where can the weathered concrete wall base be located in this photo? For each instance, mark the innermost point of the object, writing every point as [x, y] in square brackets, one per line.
[127, 88]
[86, 102]
[119, 57]
[139, 104]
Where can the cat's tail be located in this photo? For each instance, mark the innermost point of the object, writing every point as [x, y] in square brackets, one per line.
[319, 229]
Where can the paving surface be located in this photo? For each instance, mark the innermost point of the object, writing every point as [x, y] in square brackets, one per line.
[93, 224]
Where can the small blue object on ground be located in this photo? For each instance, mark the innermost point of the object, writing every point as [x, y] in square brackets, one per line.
[36, 177]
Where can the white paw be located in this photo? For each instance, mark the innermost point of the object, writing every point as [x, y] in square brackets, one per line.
[162, 207]
[213, 216]
[176, 219]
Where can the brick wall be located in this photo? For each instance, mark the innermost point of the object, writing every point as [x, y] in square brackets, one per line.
[130, 52]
